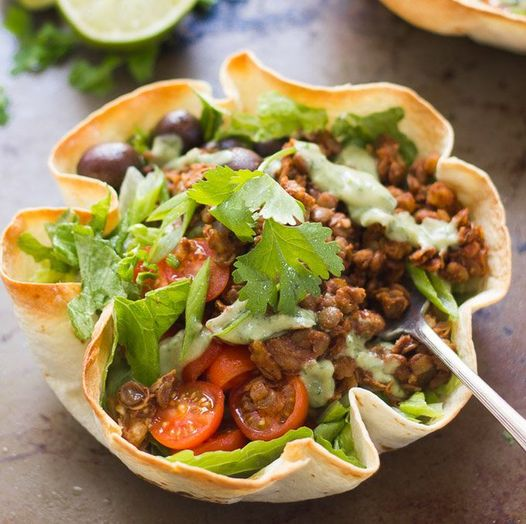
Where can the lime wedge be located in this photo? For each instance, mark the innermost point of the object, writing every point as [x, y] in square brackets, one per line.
[35, 5]
[123, 23]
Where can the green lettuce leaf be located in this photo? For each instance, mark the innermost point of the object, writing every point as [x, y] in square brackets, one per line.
[4, 105]
[99, 214]
[363, 130]
[211, 117]
[277, 116]
[141, 323]
[98, 264]
[435, 289]
[417, 408]
[245, 461]
[285, 266]
[195, 307]
[334, 433]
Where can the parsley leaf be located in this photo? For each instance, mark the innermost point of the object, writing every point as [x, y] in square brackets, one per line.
[239, 197]
[363, 130]
[277, 116]
[18, 21]
[141, 324]
[96, 79]
[285, 266]
[4, 104]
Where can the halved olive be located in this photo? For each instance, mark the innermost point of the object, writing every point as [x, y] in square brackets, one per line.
[243, 158]
[182, 123]
[108, 162]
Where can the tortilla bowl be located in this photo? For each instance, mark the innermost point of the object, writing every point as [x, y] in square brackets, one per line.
[480, 22]
[304, 470]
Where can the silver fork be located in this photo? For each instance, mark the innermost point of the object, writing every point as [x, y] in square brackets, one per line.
[414, 324]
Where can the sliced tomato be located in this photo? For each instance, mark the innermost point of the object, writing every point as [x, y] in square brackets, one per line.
[231, 367]
[194, 369]
[191, 264]
[189, 267]
[194, 414]
[227, 440]
[264, 410]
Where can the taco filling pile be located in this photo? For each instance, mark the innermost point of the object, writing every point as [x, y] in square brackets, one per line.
[517, 7]
[257, 261]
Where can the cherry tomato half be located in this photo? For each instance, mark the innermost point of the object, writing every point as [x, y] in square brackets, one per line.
[264, 410]
[227, 440]
[231, 367]
[194, 369]
[194, 414]
[189, 266]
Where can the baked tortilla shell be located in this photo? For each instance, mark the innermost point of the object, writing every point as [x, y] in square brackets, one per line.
[483, 23]
[305, 470]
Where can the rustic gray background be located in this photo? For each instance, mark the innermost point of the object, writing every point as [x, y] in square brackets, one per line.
[52, 471]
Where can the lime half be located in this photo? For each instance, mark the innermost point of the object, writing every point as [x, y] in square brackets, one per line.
[123, 23]
[35, 5]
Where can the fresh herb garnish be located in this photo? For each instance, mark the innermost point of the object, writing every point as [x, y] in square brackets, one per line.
[96, 79]
[287, 264]
[363, 130]
[4, 104]
[239, 198]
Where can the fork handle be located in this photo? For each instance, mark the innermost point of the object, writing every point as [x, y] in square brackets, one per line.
[501, 410]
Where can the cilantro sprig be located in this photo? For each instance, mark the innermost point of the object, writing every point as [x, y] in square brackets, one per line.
[239, 198]
[287, 264]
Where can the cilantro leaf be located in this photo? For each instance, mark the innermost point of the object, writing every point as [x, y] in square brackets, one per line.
[95, 79]
[277, 116]
[363, 130]
[98, 264]
[38, 49]
[220, 184]
[4, 104]
[140, 141]
[141, 63]
[285, 266]
[141, 324]
[239, 197]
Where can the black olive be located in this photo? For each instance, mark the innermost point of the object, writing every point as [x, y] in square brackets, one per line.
[234, 141]
[181, 123]
[243, 158]
[269, 147]
[108, 162]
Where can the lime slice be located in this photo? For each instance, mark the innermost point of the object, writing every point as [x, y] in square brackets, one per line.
[123, 23]
[35, 5]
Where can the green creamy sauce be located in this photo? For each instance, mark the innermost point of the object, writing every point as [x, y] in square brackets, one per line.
[238, 326]
[371, 362]
[198, 156]
[369, 202]
[319, 382]
[357, 158]
[170, 351]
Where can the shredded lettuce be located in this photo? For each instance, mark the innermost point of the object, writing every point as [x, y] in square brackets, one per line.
[277, 116]
[435, 289]
[417, 408]
[195, 307]
[245, 461]
[363, 130]
[211, 117]
[98, 264]
[334, 433]
[141, 323]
